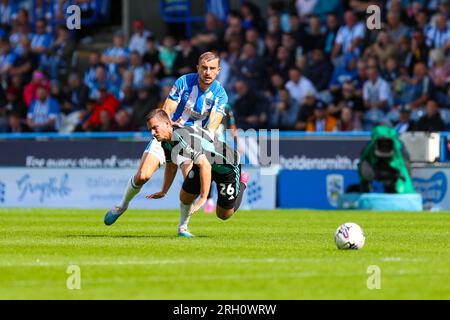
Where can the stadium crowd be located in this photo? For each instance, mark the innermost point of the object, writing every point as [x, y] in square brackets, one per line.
[301, 65]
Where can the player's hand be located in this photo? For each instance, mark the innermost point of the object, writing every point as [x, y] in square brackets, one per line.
[157, 195]
[200, 203]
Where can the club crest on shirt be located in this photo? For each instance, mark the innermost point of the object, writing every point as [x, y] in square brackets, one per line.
[209, 103]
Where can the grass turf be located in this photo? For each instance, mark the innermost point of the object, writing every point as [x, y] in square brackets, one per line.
[278, 254]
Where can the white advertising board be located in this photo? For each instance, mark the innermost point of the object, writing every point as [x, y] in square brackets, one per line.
[103, 188]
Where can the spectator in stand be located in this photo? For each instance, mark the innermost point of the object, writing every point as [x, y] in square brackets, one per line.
[432, 120]
[421, 88]
[61, 51]
[147, 100]
[288, 42]
[332, 28]
[167, 56]
[151, 58]
[44, 112]
[404, 123]
[41, 41]
[348, 121]
[391, 71]
[94, 62]
[349, 36]
[116, 55]
[26, 63]
[186, 60]
[347, 98]
[296, 27]
[14, 103]
[298, 85]
[56, 92]
[439, 35]
[382, 49]
[307, 110]
[251, 16]
[284, 111]
[7, 57]
[123, 122]
[137, 70]
[102, 80]
[440, 74]
[269, 55]
[252, 36]
[305, 8]
[395, 27]
[376, 91]
[319, 71]
[250, 66]
[232, 57]
[106, 103]
[16, 123]
[106, 123]
[30, 91]
[17, 34]
[277, 83]
[6, 13]
[421, 21]
[321, 121]
[274, 20]
[211, 38]
[234, 27]
[361, 77]
[344, 73]
[76, 94]
[250, 109]
[283, 62]
[138, 41]
[419, 50]
[315, 37]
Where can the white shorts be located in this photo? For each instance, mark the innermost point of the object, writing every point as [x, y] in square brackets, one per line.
[154, 147]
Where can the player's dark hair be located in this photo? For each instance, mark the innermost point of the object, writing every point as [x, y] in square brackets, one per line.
[160, 114]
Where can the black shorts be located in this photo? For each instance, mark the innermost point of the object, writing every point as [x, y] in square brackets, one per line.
[227, 185]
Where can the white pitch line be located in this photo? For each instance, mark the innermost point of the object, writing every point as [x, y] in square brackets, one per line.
[39, 263]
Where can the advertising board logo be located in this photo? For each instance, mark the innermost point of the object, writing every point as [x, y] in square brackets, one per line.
[254, 190]
[2, 192]
[335, 188]
[52, 187]
[432, 189]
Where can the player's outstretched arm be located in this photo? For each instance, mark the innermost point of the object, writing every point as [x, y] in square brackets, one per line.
[215, 119]
[170, 106]
[205, 182]
[169, 175]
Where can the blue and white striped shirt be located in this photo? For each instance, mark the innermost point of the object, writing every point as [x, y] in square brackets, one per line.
[194, 105]
[437, 38]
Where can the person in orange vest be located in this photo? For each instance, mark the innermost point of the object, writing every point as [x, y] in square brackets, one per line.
[321, 121]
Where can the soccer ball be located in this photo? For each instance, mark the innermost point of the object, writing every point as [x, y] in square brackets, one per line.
[349, 236]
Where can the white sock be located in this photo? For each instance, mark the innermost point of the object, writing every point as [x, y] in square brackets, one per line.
[184, 216]
[130, 191]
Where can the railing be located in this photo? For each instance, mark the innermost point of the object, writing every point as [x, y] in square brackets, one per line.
[147, 135]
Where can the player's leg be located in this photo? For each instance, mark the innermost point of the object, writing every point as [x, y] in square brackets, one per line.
[210, 204]
[151, 160]
[231, 188]
[185, 165]
[189, 192]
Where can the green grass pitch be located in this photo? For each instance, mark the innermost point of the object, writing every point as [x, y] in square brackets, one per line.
[279, 254]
